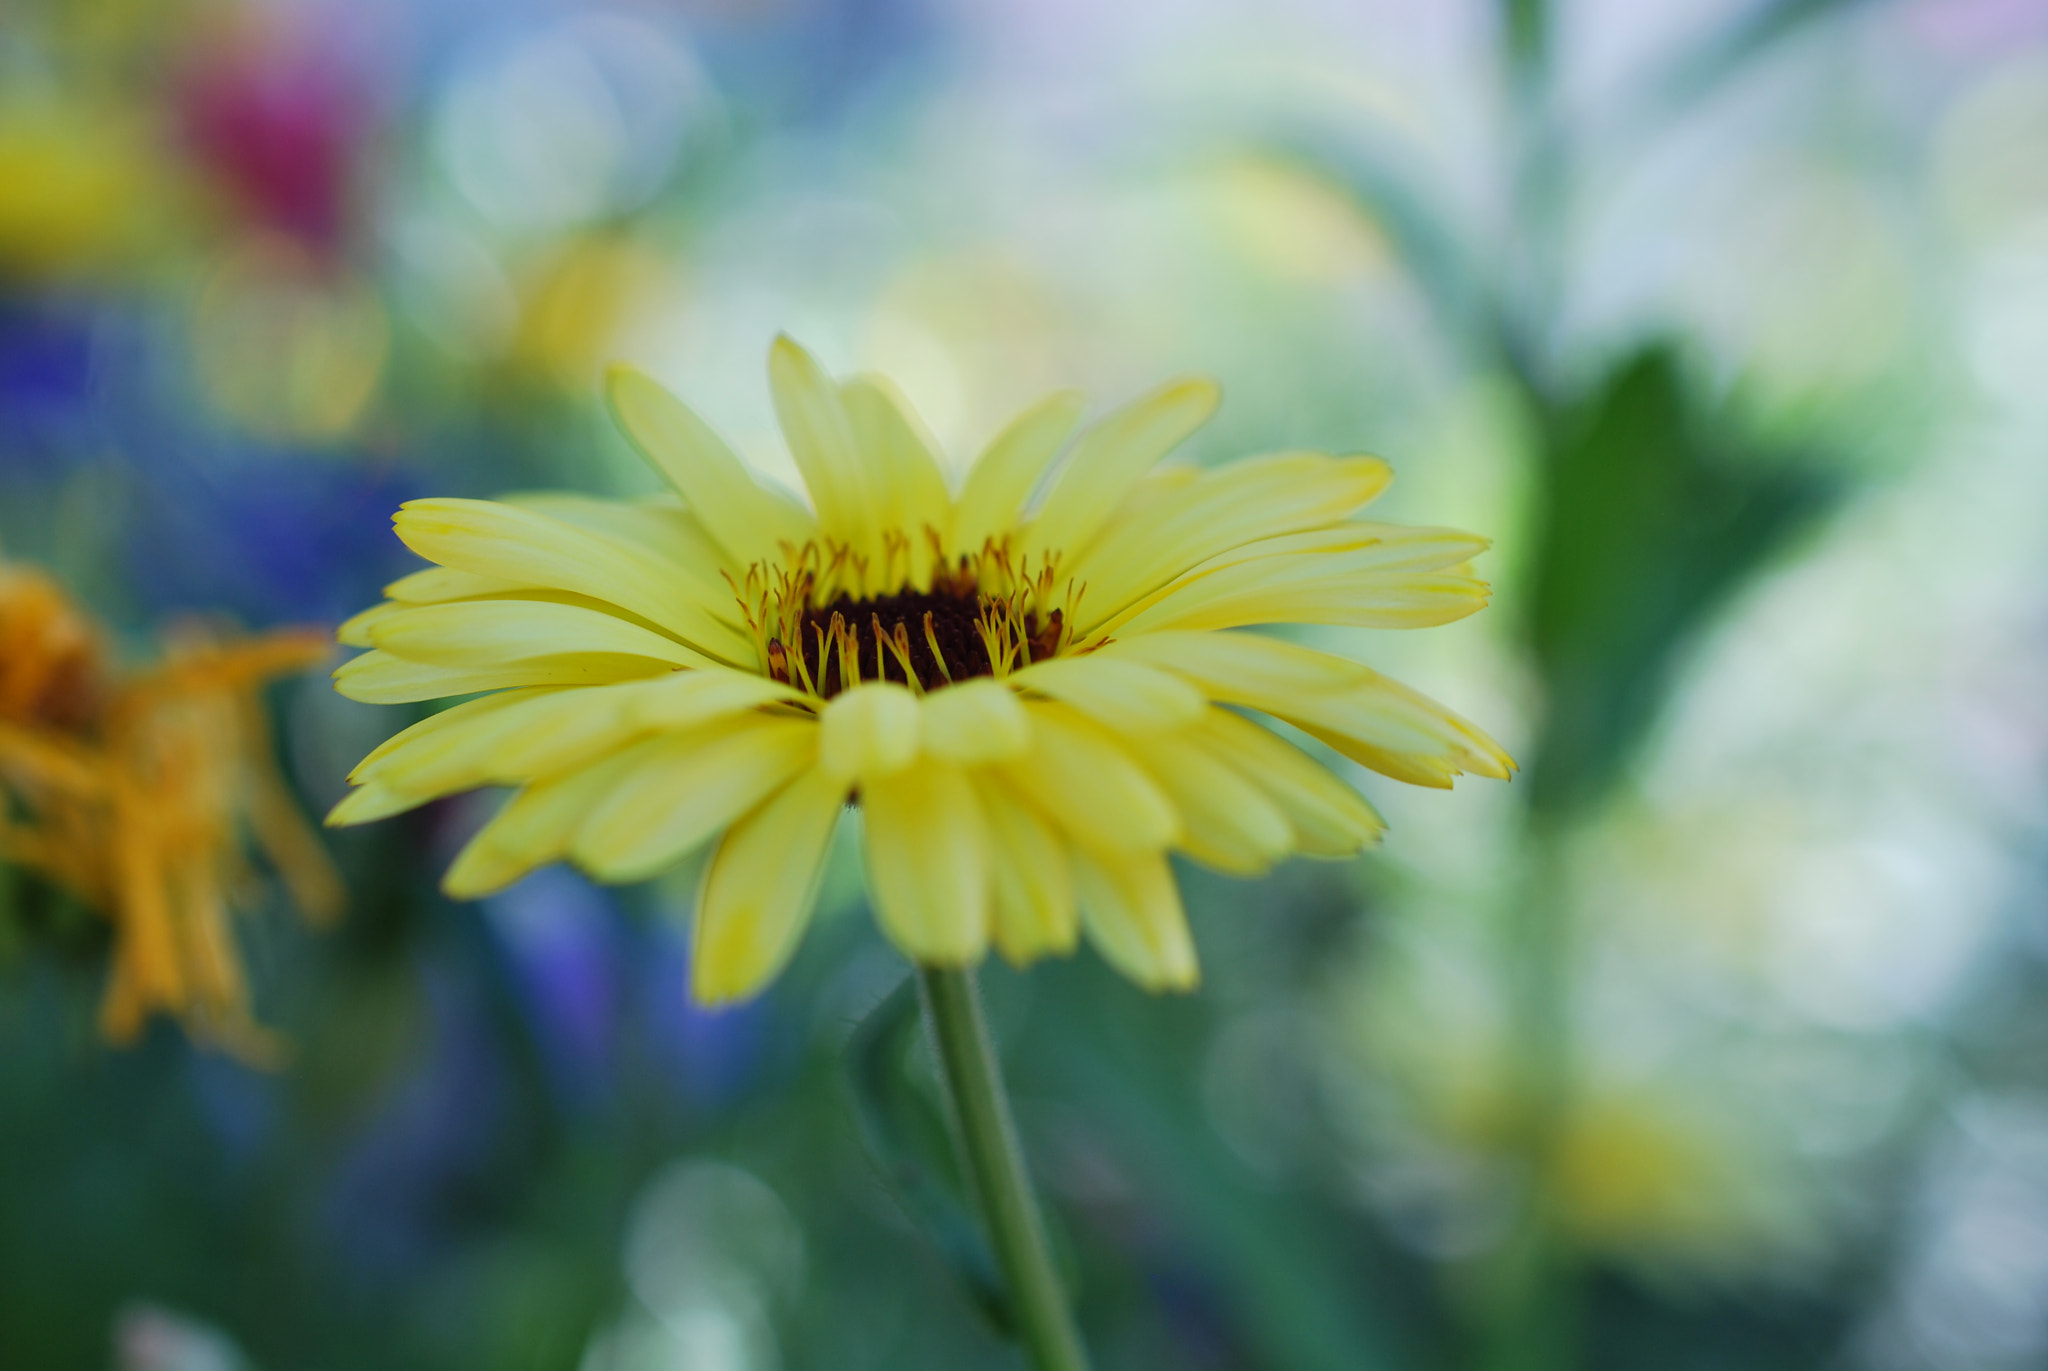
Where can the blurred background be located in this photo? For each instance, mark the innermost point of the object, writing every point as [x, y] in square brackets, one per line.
[1717, 1039]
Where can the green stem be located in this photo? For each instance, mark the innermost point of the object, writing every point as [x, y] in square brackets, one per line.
[995, 1169]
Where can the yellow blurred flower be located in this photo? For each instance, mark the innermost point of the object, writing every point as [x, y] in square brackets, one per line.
[1667, 1175]
[581, 302]
[79, 187]
[289, 344]
[131, 794]
[1645, 1175]
[1026, 699]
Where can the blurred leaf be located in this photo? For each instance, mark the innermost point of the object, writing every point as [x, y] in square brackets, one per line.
[1300, 1290]
[1649, 515]
[1525, 30]
[1388, 184]
[13, 940]
[905, 1133]
[1697, 73]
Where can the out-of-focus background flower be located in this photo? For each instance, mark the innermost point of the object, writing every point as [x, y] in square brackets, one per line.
[1718, 1039]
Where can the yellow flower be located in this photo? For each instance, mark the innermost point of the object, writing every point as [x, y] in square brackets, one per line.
[131, 795]
[77, 182]
[1025, 697]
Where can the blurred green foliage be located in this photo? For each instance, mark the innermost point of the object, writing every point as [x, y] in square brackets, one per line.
[1651, 511]
[434, 1184]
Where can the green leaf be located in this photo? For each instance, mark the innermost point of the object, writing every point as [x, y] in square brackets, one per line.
[1650, 514]
[903, 1127]
[1525, 31]
[1696, 74]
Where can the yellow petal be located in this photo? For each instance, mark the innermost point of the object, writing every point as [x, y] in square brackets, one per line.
[690, 699]
[869, 731]
[658, 523]
[1370, 546]
[815, 426]
[928, 866]
[680, 790]
[438, 583]
[1340, 554]
[379, 678]
[434, 723]
[976, 721]
[1077, 775]
[484, 633]
[1245, 502]
[1127, 696]
[52, 761]
[369, 803]
[1000, 481]
[1231, 824]
[1416, 768]
[759, 889]
[1033, 887]
[750, 522]
[1387, 719]
[1329, 818]
[1310, 590]
[534, 828]
[1346, 703]
[502, 541]
[902, 457]
[1111, 457]
[1131, 909]
[1242, 667]
[355, 631]
[538, 733]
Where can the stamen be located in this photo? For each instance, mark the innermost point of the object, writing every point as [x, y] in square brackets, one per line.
[899, 644]
[1046, 642]
[849, 652]
[984, 613]
[823, 659]
[931, 639]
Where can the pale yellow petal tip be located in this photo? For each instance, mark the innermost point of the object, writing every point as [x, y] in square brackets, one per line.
[1206, 392]
[618, 373]
[786, 352]
[957, 959]
[354, 631]
[869, 731]
[715, 987]
[370, 802]
[620, 380]
[344, 676]
[1023, 956]
[1177, 980]
[466, 883]
[349, 810]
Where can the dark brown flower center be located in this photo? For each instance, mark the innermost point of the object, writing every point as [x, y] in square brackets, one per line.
[933, 639]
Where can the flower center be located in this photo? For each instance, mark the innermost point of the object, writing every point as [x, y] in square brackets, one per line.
[823, 625]
[925, 640]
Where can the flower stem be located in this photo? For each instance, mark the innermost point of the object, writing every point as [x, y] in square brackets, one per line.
[995, 1169]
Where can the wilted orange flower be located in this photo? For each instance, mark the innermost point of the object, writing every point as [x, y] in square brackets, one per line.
[132, 793]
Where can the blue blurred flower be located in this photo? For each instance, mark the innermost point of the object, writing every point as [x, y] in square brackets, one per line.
[564, 943]
[711, 1055]
[396, 1201]
[264, 534]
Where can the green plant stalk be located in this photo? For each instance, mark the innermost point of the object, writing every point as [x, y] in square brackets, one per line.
[1530, 1287]
[994, 1167]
